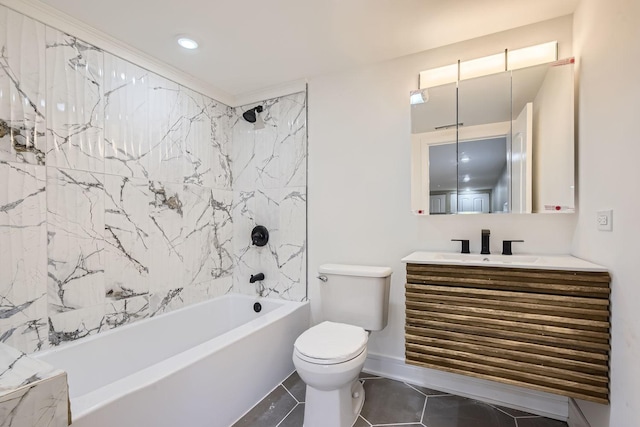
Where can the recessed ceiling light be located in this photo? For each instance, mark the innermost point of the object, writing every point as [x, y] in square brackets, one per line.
[187, 43]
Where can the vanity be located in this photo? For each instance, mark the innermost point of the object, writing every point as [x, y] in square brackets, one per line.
[540, 322]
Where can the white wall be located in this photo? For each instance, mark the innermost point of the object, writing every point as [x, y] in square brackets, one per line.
[607, 46]
[359, 174]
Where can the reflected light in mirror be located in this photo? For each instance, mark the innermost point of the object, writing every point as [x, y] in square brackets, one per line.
[439, 76]
[419, 97]
[533, 55]
[464, 159]
[482, 66]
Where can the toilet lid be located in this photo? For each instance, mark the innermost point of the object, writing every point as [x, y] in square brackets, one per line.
[331, 342]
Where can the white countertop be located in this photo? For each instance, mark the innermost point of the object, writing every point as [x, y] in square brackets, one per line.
[541, 262]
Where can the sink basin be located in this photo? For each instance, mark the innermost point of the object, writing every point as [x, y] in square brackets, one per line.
[550, 262]
[489, 259]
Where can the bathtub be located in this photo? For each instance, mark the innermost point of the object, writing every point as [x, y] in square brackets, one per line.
[203, 365]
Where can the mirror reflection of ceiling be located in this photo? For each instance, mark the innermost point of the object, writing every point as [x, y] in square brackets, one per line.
[482, 100]
[487, 160]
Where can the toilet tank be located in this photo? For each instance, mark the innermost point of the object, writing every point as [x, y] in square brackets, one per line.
[355, 294]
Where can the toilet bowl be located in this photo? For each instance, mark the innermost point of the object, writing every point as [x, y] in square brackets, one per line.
[329, 358]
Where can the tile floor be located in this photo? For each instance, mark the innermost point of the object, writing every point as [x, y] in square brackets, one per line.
[392, 403]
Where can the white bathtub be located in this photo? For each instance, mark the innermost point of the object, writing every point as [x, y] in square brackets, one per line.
[203, 365]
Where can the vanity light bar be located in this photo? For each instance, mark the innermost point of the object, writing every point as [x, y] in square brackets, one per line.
[482, 66]
[439, 76]
[533, 55]
[507, 60]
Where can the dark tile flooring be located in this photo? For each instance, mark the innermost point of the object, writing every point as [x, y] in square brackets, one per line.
[392, 403]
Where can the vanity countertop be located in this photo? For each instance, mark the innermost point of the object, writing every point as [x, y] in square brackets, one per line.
[542, 262]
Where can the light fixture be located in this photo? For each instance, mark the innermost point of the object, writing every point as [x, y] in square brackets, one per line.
[419, 97]
[439, 76]
[187, 43]
[496, 63]
[482, 66]
[532, 55]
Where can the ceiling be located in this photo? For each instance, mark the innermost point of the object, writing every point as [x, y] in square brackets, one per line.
[250, 45]
[487, 161]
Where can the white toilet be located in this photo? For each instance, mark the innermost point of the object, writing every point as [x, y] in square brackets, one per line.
[330, 355]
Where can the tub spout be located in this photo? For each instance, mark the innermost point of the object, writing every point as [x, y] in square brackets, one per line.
[260, 286]
[254, 279]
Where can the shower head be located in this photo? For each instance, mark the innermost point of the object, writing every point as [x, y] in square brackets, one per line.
[250, 115]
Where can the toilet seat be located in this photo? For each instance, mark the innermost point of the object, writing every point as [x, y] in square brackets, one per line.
[330, 343]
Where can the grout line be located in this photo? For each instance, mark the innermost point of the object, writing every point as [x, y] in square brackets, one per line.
[424, 409]
[500, 410]
[423, 393]
[365, 420]
[294, 398]
[395, 424]
[288, 413]
[432, 395]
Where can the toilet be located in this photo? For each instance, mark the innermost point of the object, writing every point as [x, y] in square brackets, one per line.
[329, 356]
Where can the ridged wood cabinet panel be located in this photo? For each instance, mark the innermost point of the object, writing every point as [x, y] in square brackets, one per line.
[543, 329]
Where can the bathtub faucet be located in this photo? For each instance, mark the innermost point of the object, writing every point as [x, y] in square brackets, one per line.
[254, 279]
[258, 278]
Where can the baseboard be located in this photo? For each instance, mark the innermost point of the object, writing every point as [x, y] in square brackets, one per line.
[536, 402]
[576, 417]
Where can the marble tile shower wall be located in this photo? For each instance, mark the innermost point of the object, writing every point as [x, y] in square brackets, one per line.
[269, 188]
[116, 192]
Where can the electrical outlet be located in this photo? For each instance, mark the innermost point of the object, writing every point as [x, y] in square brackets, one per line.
[604, 219]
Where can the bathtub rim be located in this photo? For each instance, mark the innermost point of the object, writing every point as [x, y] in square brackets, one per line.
[75, 343]
[152, 374]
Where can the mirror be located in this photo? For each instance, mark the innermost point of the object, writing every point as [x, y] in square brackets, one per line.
[501, 143]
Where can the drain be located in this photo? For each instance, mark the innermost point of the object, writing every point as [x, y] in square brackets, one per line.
[257, 307]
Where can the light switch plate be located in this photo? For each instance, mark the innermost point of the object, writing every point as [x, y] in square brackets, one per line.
[604, 219]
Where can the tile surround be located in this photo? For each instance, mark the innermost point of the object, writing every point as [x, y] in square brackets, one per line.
[23, 255]
[124, 195]
[33, 393]
[22, 89]
[269, 169]
[74, 99]
[126, 104]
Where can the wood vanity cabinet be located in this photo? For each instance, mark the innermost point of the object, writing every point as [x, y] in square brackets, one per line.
[543, 329]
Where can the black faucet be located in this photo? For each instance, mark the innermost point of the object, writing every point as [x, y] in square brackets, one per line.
[506, 246]
[254, 279]
[465, 245]
[485, 242]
